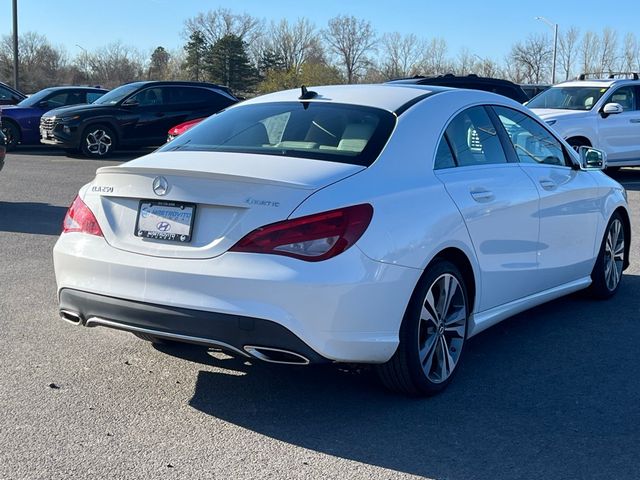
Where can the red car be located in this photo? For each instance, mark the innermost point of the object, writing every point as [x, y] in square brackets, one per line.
[183, 127]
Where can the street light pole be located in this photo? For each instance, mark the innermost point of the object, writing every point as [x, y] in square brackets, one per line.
[15, 44]
[555, 45]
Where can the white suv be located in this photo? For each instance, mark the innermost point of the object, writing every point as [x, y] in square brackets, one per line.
[604, 114]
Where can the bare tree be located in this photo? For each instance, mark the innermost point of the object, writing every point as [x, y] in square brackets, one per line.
[589, 52]
[293, 43]
[115, 64]
[630, 59]
[41, 64]
[219, 23]
[350, 40]
[465, 62]
[400, 55]
[434, 59]
[531, 58]
[608, 51]
[567, 50]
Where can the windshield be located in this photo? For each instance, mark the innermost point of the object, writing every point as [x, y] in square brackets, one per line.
[568, 98]
[35, 98]
[323, 131]
[117, 94]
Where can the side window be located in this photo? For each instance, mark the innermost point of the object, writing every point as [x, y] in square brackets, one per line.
[444, 157]
[474, 139]
[58, 100]
[93, 96]
[625, 96]
[5, 94]
[186, 95]
[531, 141]
[149, 97]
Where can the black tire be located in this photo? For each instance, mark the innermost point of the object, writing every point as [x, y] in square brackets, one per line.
[604, 280]
[407, 372]
[98, 141]
[153, 339]
[12, 133]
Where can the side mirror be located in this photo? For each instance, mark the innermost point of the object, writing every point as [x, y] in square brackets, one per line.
[592, 158]
[611, 109]
[43, 104]
[130, 102]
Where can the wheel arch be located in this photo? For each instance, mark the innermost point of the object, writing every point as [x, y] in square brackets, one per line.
[8, 120]
[462, 261]
[102, 121]
[582, 138]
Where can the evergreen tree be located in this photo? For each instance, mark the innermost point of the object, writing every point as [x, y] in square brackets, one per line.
[270, 61]
[196, 50]
[228, 64]
[158, 65]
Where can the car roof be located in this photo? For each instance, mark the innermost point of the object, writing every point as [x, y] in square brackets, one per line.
[393, 97]
[75, 87]
[450, 78]
[182, 83]
[604, 83]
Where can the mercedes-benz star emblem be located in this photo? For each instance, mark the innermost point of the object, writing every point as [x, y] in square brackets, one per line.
[160, 186]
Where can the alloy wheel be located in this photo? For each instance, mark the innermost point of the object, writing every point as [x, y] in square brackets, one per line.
[614, 254]
[99, 142]
[442, 331]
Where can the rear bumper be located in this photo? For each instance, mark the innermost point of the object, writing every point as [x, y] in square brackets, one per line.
[230, 332]
[346, 309]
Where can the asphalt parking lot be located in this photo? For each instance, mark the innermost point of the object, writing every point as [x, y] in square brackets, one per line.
[553, 393]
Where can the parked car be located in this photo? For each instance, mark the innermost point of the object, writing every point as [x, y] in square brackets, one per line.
[21, 122]
[9, 95]
[603, 113]
[183, 127]
[471, 81]
[3, 149]
[533, 89]
[381, 224]
[133, 115]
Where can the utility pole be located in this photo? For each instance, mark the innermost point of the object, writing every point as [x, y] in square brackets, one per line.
[15, 44]
[555, 45]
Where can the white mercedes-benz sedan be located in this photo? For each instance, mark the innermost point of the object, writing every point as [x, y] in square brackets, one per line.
[377, 224]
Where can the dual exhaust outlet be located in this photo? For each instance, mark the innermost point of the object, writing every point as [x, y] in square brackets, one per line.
[266, 354]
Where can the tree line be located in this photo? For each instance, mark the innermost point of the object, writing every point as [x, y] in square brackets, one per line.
[253, 57]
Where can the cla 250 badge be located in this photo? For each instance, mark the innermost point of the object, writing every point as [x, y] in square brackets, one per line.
[101, 189]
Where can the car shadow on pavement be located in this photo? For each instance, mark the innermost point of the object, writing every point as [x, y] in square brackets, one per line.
[31, 217]
[551, 393]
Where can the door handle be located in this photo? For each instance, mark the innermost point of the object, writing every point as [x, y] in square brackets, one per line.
[635, 120]
[482, 195]
[159, 114]
[547, 184]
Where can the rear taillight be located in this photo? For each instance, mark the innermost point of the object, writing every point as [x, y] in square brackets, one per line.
[312, 238]
[80, 219]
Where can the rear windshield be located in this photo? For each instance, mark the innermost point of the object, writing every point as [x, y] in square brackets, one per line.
[568, 98]
[323, 131]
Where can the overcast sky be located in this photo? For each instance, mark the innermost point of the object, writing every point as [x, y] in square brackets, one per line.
[488, 29]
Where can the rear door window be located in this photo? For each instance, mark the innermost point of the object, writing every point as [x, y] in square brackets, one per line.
[474, 139]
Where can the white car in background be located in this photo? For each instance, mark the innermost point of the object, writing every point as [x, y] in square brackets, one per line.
[374, 224]
[604, 114]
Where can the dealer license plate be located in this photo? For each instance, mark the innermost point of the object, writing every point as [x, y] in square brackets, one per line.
[169, 221]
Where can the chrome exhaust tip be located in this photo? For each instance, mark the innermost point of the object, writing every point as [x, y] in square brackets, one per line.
[73, 318]
[276, 355]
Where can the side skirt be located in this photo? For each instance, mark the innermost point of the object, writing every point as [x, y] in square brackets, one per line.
[482, 320]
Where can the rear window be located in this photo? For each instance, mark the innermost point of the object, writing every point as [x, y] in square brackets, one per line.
[323, 131]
